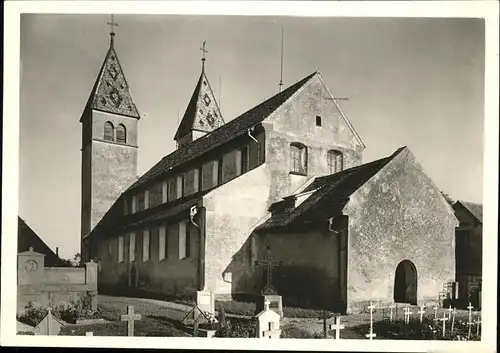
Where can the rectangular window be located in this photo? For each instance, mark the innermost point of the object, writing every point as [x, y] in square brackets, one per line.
[188, 239]
[162, 243]
[244, 159]
[140, 201]
[208, 175]
[172, 189]
[120, 248]
[180, 182]
[191, 182]
[153, 242]
[298, 157]
[182, 240]
[200, 178]
[164, 191]
[219, 171]
[229, 166]
[146, 199]
[131, 247]
[145, 245]
[125, 206]
[155, 195]
[318, 120]
[134, 204]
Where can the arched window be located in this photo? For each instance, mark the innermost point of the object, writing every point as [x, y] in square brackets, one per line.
[298, 157]
[335, 161]
[121, 134]
[109, 131]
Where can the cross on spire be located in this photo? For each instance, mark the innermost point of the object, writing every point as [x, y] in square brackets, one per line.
[204, 51]
[112, 25]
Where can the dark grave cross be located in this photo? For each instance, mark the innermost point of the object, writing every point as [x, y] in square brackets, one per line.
[268, 264]
[325, 315]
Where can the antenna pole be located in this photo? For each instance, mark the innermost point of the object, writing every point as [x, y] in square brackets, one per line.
[281, 68]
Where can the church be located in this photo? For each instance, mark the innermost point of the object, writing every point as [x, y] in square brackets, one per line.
[284, 179]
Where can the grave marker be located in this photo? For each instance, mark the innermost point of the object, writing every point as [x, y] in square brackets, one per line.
[337, 327]
[444, 319]
[422, 312]
[89, 333]
[268, 322]
[371, 335]
[50, 325]
[407, 314]
[454, 313]
[325, 316]
[390, 312]
[435, 313]
[470, 307]
[449, 312]
[478, 322]
[269, 292]
[130, 317]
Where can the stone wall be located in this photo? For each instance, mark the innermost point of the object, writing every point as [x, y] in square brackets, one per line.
[295, 121]
[52, 285]
[398, 215]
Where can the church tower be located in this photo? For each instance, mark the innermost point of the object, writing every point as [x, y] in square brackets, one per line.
[202, 114]
[109, 143]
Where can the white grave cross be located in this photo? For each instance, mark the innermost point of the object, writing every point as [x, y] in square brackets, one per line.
[478, 322]
[453, 314]
[444, 319]
[422, 312]
[407, 315]
[130, 318]
[371, 335]
[450, 310]
[435, 313]
[390, 312]
[337, 327]
[89, 333]
[470, 307]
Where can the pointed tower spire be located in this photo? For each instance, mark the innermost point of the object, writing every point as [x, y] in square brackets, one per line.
[111, 92]
[203, 113]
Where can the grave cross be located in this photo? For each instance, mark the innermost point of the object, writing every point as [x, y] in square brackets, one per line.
[422, 312]
[130, 318]
[478, 322]
[337, 327]
[449, 312]
[454, 313]
[407, 315]
[371, 335]
[435, 312]
[444, 319]
[470, 307]
[268, 263]
[390, 312]
[325, 316]
[89, 333]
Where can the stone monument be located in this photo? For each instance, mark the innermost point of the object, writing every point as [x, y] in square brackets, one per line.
[269, 293]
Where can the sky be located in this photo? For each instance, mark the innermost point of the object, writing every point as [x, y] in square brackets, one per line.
[416, 82]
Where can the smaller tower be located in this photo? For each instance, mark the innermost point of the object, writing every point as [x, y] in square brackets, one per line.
[202, 114]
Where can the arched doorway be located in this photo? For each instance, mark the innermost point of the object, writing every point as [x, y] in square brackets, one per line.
[405, 283]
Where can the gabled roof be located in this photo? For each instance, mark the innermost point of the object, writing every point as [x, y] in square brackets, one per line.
[111, 92]
[331, 195]
[27, 238]
[223, 134]
[202, 113]
[475, 209]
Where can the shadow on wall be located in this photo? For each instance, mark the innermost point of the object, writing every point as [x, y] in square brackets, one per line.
[304, 286]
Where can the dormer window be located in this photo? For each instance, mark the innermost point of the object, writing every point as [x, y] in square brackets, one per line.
[298, 158]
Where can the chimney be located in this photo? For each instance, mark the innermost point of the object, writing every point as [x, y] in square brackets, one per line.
[57, 251]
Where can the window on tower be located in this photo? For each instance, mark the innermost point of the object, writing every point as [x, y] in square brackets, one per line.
[121, 134]
[109, 131]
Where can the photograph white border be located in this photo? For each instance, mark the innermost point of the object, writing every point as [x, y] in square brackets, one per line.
[10, 177]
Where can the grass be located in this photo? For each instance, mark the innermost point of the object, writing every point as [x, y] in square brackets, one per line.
[156, 320]
[248, 309]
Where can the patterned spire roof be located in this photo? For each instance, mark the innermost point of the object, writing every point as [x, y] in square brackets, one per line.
[202, 113]
[111, 91]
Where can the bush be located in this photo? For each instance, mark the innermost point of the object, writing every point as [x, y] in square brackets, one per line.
[235, 330]
[32, 315]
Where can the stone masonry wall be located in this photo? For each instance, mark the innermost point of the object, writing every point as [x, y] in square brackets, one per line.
[398, 215]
